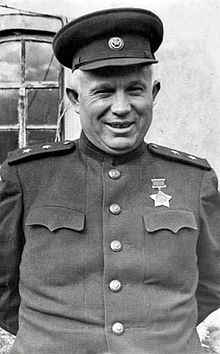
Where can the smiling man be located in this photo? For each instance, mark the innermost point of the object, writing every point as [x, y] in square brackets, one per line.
[115, 106]
[108, 244]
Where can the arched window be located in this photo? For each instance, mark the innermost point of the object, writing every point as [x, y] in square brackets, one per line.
[31, 81]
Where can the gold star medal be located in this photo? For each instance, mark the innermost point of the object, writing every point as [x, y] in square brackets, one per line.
[160, 198]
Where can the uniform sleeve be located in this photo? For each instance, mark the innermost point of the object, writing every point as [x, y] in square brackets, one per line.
[11, 245]
[208, 250]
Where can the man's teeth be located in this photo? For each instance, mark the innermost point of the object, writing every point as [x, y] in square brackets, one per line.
[119, 125]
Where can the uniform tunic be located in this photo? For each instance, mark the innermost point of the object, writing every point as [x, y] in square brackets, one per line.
[100, 268]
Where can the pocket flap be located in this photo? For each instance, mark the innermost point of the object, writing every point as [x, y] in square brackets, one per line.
[56, 217]
[173, 220]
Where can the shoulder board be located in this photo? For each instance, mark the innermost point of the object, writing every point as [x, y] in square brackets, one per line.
[178, 156]
[40, 150]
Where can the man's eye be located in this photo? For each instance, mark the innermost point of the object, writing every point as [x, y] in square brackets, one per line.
[136, 90]
[103, 92]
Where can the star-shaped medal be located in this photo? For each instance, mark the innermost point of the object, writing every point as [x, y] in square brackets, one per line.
[161, 198]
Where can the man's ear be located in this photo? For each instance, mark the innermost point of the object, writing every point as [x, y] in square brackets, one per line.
[156, 89]
[74, 98]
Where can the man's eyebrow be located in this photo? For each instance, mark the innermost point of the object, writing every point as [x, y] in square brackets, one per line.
[137, 82]
[101, 85]
[108, 86]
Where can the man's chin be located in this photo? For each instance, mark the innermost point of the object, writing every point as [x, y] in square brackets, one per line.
[119, 148]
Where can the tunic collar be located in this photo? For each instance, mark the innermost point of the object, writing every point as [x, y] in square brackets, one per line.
[92, 151]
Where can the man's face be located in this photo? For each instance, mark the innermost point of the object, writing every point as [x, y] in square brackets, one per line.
[115, 107]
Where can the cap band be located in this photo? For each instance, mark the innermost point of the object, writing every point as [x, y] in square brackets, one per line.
[108, 50]
[118, 36]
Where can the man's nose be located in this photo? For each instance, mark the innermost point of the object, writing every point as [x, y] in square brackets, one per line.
[120, 105]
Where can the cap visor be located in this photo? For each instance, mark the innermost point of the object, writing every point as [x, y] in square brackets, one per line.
[116, 62]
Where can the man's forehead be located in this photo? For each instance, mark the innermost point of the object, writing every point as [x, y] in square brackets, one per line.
[127, 72]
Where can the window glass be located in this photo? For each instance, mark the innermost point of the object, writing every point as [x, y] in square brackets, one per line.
[40, 136]
[8, 142]
[10, 61]
[8, 107]
[42, 106]
[41, 65]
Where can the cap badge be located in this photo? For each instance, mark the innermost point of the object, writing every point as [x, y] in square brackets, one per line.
[160, 198]
[116, 43]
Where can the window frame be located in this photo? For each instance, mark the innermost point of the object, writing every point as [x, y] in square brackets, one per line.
[24, 85]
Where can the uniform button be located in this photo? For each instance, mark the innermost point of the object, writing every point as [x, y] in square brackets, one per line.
[116, 246]
[114, 174]
[117, 328]
[115, 209]
[115, 285]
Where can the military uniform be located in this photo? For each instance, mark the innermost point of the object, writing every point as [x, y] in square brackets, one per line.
[100, 266]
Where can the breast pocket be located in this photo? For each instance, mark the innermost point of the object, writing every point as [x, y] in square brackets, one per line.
[170, 246]
[56, 217]
[54, 247]
[172, 220]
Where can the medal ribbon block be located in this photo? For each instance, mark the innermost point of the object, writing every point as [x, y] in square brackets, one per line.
[160, 198]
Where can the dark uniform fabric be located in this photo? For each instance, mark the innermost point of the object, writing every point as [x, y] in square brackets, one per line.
[59, 214]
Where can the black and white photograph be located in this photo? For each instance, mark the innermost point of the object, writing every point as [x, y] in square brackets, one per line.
[109, 177]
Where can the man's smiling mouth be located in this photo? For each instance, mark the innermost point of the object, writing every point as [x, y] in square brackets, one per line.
[120, 125]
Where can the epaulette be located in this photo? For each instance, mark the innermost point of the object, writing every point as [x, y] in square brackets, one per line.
[40, 150]
[179, 156]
